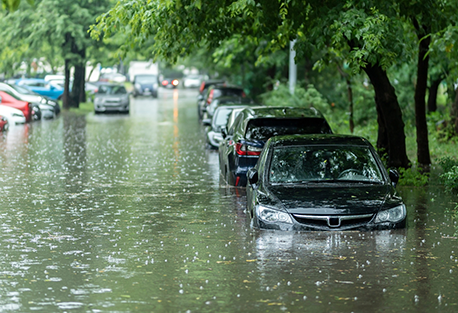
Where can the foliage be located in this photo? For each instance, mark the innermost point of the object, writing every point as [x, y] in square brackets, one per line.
[302, 97]
[450, 178]
[412, 177]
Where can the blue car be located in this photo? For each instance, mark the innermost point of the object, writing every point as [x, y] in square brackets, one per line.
[42, 87]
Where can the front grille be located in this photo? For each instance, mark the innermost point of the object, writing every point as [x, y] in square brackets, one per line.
[333, 221]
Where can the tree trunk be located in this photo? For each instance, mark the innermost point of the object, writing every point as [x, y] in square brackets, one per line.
[389, 116]
[423, 156]
[454, 112]
[66, 95]
[83, 85]
[432, 95]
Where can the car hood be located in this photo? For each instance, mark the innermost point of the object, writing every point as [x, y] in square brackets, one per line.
[333, 199]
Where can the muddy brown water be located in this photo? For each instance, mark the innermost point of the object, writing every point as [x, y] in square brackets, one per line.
[115, 213]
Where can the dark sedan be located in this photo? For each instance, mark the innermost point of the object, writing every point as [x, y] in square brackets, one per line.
[323, 182]
[246, 136]
[145, 85]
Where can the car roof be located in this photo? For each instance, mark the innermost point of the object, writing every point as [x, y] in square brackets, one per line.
[281, 112]
[319, 139]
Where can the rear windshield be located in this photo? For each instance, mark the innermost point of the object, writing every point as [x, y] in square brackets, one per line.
[228, 92]
[264, 128]
[146, 79]
[111, 90]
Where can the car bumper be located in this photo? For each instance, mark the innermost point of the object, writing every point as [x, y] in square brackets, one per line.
[295, 226]
[111, 108]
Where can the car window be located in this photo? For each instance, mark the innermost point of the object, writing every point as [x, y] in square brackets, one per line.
[320, 163]
[264, 128]
[111, 90]
[146, 79]
[221, 116]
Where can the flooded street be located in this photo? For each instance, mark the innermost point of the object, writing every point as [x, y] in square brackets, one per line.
[127, 213]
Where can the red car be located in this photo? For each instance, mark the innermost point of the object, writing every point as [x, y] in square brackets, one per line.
[24, 106]
[3, 123]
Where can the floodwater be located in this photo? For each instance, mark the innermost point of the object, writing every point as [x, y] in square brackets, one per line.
[127, 213]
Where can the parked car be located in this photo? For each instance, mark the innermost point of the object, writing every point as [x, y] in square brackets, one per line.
[244, 140]
[204, 86]
[207, 83]
[218, 91]
[323, 182]
[3, 123]
[27, 95]
[210, 109]
[192, 81]
[24, 106]
[217, 122]
[145, 85]
[14, 116]
[111, 98]
[42, 87]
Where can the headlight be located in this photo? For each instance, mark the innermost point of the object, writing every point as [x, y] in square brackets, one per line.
[393, 215]
[138, 86]
[98, 101]
[271, 215]
[155, 85]
[43, 100]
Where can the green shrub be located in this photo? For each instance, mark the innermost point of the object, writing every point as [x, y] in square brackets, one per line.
[450, 175]
[302, 97]
[412, 177]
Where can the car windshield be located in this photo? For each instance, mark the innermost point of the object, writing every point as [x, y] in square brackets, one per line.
[146, 79]
[221, 116]
[264, 128]
[111, 90]
[303, 164]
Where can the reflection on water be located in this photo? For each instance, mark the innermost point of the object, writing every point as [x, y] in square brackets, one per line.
[128, 213]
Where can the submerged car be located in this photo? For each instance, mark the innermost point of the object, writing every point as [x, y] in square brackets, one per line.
[111, 98]
[145, 85]
[245, 138]
[323, 182]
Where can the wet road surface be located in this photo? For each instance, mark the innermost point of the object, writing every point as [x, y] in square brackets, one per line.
[123, 213]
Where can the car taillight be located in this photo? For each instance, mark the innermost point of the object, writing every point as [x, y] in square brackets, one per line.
[210, 97]
[165, 83]
[175, 82]
[243, 94]
[242, 149]
[202, 86]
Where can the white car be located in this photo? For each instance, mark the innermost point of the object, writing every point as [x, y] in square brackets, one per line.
[14, 116]
[192, 81]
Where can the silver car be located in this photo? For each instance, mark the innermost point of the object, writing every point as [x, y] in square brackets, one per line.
[111, 98]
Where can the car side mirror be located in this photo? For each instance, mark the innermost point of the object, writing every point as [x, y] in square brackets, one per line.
[206, 122]
[224, 132]
[394, 176]
[252, 176]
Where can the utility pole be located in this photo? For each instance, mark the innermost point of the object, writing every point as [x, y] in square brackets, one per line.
[292, 67]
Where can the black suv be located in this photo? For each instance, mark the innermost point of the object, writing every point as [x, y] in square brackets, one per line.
[245, 138]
